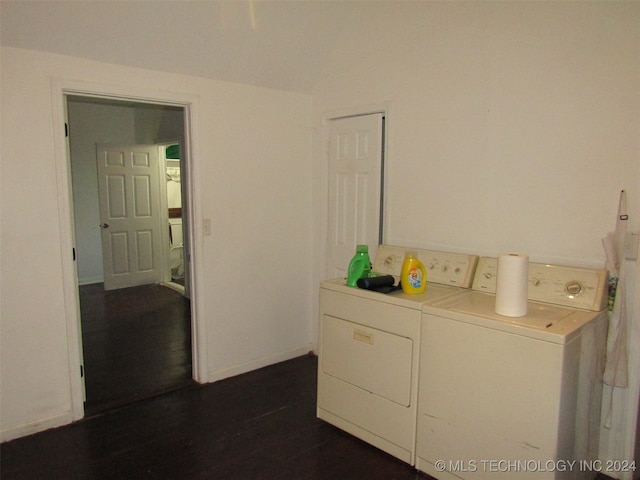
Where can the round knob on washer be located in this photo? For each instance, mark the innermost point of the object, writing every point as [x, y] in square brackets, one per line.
[573, 288]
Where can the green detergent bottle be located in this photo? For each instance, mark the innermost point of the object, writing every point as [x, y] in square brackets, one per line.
[360, 265]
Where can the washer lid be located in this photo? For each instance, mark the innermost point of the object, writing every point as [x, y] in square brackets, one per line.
[551, 323]
[539, 316]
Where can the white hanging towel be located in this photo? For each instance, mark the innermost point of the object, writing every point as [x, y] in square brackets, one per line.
[616, 365]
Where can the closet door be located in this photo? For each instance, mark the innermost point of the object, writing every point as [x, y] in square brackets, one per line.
[355, 188]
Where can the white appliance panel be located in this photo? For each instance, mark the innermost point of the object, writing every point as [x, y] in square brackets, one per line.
[573, 287]
[368, 358]
[386, 425]
[445, 268]
[481, 398]
[523, 389]
[349, 394]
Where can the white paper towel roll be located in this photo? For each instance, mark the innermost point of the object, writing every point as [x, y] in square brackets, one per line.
[512, 284]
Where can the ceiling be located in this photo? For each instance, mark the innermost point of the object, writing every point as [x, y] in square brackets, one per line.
[276, 44]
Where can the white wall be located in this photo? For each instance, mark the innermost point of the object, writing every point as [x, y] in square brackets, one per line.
[158, 125]
[252, 155]
[513, 125]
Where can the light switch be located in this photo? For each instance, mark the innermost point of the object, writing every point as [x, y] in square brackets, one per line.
[631, 245]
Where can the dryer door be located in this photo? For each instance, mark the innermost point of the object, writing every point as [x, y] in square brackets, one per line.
[371, 359]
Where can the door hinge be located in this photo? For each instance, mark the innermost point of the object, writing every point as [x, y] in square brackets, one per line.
[81, 371]
[66, 129]
[73, 251]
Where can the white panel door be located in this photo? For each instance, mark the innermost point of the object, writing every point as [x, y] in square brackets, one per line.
[129, 191]
[355, 188]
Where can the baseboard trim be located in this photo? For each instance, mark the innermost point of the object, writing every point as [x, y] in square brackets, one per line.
[89, 281]
[35, 427]
[214, 376]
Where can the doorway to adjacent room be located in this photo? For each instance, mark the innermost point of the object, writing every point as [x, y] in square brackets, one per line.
[136, 332]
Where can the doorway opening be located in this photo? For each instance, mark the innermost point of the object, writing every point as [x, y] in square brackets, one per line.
[130, 246]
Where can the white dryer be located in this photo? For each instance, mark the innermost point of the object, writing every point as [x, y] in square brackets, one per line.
[369, 349]
[504, 397]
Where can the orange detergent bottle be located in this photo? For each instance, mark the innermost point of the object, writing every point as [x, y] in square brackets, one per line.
[413, 275]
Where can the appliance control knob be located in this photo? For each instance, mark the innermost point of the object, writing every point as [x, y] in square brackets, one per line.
[573, 288]
[488, 276]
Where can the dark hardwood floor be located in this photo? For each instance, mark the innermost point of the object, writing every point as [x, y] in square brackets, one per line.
[260, 425]
[136, 343]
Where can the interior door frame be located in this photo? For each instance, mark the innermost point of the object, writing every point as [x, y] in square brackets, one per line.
[60, 88]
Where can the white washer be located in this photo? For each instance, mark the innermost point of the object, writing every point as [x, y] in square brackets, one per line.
[369, 349]
[504, 397]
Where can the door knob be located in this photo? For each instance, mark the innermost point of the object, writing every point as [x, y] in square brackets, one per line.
[104, 225]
